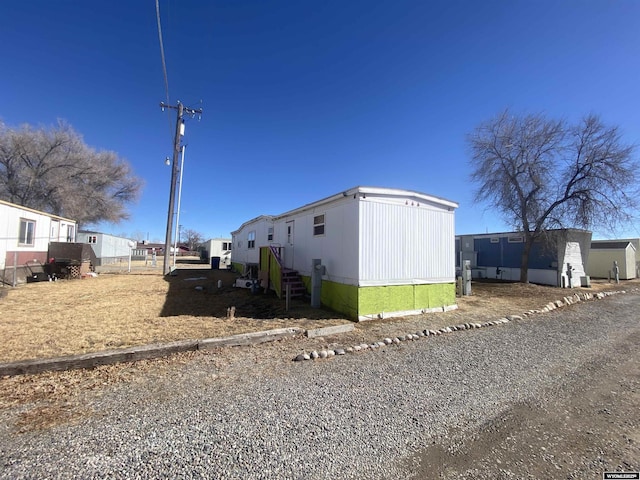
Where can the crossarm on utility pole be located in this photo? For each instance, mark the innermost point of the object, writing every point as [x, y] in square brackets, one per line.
[181, 110]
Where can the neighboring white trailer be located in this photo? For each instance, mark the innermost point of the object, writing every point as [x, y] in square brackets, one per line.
[109, 249]
[25, 234]
[217, 251]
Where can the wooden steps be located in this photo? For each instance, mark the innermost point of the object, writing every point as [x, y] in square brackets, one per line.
[292, 278]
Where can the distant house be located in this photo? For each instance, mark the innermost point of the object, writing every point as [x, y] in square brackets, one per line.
[25, 238]
[605, 252]
[157, 248]
[109, 249]
[379, 252]
[216, 251]
[560, 261]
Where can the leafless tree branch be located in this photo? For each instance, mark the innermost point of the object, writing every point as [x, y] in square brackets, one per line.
[541, 173]
[53, 170]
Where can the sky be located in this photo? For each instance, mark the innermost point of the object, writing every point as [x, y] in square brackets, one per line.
[302, 100]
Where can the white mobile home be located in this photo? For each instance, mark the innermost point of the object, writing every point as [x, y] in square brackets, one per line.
[109, 249]
[605, 252]
[383, 252]
[247, 240]
[217, 251]
[25, 236]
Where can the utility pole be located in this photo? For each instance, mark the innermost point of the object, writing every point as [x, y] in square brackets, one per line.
[181, 110]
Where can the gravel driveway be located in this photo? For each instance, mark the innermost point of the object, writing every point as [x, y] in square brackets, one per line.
[452, 406]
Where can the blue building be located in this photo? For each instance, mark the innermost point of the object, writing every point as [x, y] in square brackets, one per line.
[559, 260]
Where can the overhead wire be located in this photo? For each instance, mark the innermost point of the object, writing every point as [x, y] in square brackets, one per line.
[164, 67]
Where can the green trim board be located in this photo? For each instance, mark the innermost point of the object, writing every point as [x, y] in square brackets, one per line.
[275, 274]
[269, 263]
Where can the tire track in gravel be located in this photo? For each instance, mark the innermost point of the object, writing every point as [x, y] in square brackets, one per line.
[588, 424]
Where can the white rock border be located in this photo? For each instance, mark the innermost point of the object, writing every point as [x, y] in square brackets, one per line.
[566, 301]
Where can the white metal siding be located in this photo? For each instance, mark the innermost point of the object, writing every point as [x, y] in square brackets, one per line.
[214, 249]
[601, 262]
[243, 254]
[402, 244]
[337, 248]
[111, 246]
[10, 227]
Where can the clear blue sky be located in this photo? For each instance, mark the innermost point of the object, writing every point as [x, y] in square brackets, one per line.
[314, 97]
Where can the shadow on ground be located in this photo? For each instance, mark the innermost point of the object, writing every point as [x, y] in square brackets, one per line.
[194, 291]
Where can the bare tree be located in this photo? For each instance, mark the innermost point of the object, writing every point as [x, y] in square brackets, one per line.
[541, 173]
[139, 236]
[192, 239]
[53, 170]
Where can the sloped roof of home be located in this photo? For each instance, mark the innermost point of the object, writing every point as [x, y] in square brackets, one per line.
[391, 192]
[355, 191]
[39, 212]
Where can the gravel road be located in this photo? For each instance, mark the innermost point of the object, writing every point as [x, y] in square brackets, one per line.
[484, 403]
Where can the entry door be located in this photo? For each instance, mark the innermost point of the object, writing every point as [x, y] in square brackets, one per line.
[55, 231]
[288, 254]
[71, 233]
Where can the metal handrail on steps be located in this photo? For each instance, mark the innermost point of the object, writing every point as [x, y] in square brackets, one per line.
[276, 255]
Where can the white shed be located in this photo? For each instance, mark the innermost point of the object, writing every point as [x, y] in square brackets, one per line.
[25, 236]
[385, 251]
[605, 252]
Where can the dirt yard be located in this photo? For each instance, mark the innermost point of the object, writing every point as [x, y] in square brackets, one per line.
[117, 310]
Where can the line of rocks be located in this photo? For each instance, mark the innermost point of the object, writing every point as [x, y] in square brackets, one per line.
[566, 301]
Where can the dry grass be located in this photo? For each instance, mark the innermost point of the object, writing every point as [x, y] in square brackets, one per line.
[50, 319]
[119, 310]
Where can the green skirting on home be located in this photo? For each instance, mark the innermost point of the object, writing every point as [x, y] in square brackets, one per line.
[356, 302]
[402, 298]
[237, 267]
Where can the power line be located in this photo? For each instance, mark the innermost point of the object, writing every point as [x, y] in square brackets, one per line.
[164, 63]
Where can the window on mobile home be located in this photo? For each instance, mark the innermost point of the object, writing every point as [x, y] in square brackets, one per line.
[27, 231]
[318, 225]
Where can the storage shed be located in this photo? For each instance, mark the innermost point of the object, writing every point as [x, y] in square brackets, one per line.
[380, 252]
[560, 260]
[605, 252]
